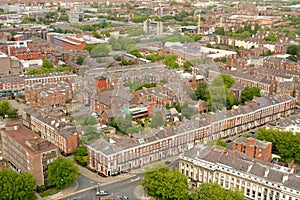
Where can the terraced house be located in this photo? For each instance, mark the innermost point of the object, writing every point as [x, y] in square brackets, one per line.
[122, 153]
[230, 169]
[61, 133]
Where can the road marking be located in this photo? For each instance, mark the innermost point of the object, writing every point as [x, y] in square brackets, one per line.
[136, 179]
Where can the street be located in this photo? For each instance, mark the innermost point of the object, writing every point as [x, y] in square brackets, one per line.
[129, 187]
[126, 187]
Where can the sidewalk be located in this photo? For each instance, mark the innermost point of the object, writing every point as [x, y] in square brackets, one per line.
[95, 177]
[64, 192]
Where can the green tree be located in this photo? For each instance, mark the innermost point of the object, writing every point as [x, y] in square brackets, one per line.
[271, 37]
[91, 134]
[96, 34]
[123, 123]
[81, 155]
[170, 61]
[218, 95]
[213, 191]
[90, 120]
[220, 31]
[47, 64]
[157, 120]
[62, 172]
[6, 110]
[100, 50]
[202, 91]
[294, 50]
[79, 60]
[136, 53]
[284, 143]
[218, 142]
[106, 33]
[154, 57]
[90, 47]
[164, 183]
[139, 18]
[249, 92]
[227, 80]
[187, 66]
[16, 186]
[187, 111]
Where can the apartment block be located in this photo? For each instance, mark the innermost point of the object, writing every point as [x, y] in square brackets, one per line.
[255, 178]
[69, 42]
[253, 148]
[123, 153]
[61, 133]
[25, 151]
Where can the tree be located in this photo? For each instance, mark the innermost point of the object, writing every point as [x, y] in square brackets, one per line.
[79, 60]
[202, 91]
[284, 143]
[100, 50]
[213, 191]
[136, 53]
[90, 120]
[62, 172]
[170, 61]
[249, 92]
[294, 50]
[81, 155]
[47, 64]
[220, 31]
[271, 37]
[106, 33]
[154, 57]
[6, 110]
[16, 186]
[91, 134]
[123, 123]
[187, 111]
[187, 66]
[227, 80]
[96, 34]
[218, 142]
[157, 120]
[164, 183]
[219, 96]
[90, 47]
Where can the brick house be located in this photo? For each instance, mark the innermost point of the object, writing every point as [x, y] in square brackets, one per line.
[253, 148]
[62, 134]
[12, 84]
[47, 95]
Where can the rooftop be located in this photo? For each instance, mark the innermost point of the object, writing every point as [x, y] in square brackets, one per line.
[29, 140]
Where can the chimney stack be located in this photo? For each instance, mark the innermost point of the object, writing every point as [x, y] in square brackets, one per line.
[267, 171]
[285, 177]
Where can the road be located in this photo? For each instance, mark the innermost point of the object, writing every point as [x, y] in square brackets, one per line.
[85, 182]
[125, 187]
[129, 187]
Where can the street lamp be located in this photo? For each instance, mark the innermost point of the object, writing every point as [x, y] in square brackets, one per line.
[98, 191]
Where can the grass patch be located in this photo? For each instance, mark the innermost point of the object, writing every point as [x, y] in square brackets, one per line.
[49, 192]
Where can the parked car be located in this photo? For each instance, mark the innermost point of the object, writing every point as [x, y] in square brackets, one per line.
[102, 193]
[123, 197]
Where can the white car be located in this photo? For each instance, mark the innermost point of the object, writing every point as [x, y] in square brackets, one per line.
[102, 193]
